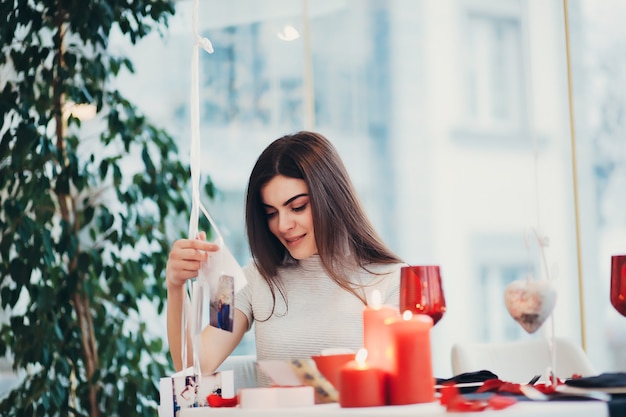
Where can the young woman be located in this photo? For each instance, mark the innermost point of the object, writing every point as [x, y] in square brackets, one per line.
[316, 260]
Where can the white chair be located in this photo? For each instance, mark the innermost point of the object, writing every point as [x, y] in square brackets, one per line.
[244, 370]
[520, 361]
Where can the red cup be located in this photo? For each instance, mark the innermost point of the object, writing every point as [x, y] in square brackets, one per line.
[330, 365]
[618, 283]
[421, 291]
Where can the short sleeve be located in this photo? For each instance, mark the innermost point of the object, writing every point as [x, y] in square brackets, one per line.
[243, 299]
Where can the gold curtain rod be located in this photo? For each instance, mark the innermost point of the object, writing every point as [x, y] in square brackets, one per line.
[572, 124]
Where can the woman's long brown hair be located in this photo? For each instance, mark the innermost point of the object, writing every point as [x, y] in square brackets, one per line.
[345, 238]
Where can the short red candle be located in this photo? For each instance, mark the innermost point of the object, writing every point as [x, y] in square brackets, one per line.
[411, 380]
[376, 338]
[361, 385]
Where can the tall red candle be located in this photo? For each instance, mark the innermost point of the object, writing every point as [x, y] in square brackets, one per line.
[411, 380]
[361, 385]
[376, 338]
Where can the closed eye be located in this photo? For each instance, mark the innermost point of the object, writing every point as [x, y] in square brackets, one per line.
[300, 208]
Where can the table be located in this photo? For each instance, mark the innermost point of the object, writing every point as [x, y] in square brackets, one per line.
[520, 409]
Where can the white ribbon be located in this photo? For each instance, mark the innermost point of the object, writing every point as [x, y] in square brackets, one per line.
[196, 289]
[199, 290]
[195, 123]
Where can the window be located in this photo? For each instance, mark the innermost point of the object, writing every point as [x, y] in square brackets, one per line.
[469, 77]
[494, 279]
[495, 82]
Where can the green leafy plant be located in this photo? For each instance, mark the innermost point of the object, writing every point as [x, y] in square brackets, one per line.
[84, 237]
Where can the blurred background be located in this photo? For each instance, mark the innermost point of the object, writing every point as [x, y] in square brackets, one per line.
[466, 125]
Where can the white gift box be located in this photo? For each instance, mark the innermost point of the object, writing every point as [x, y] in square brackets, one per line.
[186, 390]
[276, 397]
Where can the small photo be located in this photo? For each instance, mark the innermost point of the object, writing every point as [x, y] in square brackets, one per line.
[187, 393]
[223, 304]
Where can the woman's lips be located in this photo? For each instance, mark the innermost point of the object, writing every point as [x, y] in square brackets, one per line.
[292, 241]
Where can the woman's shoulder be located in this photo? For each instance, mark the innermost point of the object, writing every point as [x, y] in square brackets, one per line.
[251, 272]
[386, 279]
[385, 269]
[379, 274]
[253, 280]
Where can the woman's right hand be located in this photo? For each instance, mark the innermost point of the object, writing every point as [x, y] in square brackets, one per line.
[183, 263]
[185, 259]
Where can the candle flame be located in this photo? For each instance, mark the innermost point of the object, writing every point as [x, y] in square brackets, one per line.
[361, 356]
[407, 315]
[376, 299]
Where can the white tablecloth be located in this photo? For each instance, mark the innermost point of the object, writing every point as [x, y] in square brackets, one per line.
[520, 409]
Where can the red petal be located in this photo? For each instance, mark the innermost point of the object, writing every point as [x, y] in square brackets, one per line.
[449, 393]
[490, 385]
[498, 402]
[463, 405]
[510, 388]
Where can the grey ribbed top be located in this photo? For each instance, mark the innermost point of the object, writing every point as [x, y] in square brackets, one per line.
[320, 315]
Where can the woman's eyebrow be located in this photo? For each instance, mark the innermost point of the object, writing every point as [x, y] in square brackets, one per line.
[286, 203]
[293, 198]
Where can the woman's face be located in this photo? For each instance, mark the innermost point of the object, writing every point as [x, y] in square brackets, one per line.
[289, 217]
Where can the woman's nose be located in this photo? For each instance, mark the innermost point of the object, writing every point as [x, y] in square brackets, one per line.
[285, 222]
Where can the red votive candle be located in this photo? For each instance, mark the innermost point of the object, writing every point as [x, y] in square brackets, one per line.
[361, 385]
[411, 380]
[376, 337]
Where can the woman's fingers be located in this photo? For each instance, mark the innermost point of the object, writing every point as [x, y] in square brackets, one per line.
[197, 244]
[185, 259]
[186, 267]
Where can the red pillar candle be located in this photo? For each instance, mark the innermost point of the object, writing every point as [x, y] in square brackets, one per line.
[411, 380]
[376, 332]
[361, 385]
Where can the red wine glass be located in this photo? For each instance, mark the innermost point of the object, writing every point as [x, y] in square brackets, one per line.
[421, 291]
[618, 283]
